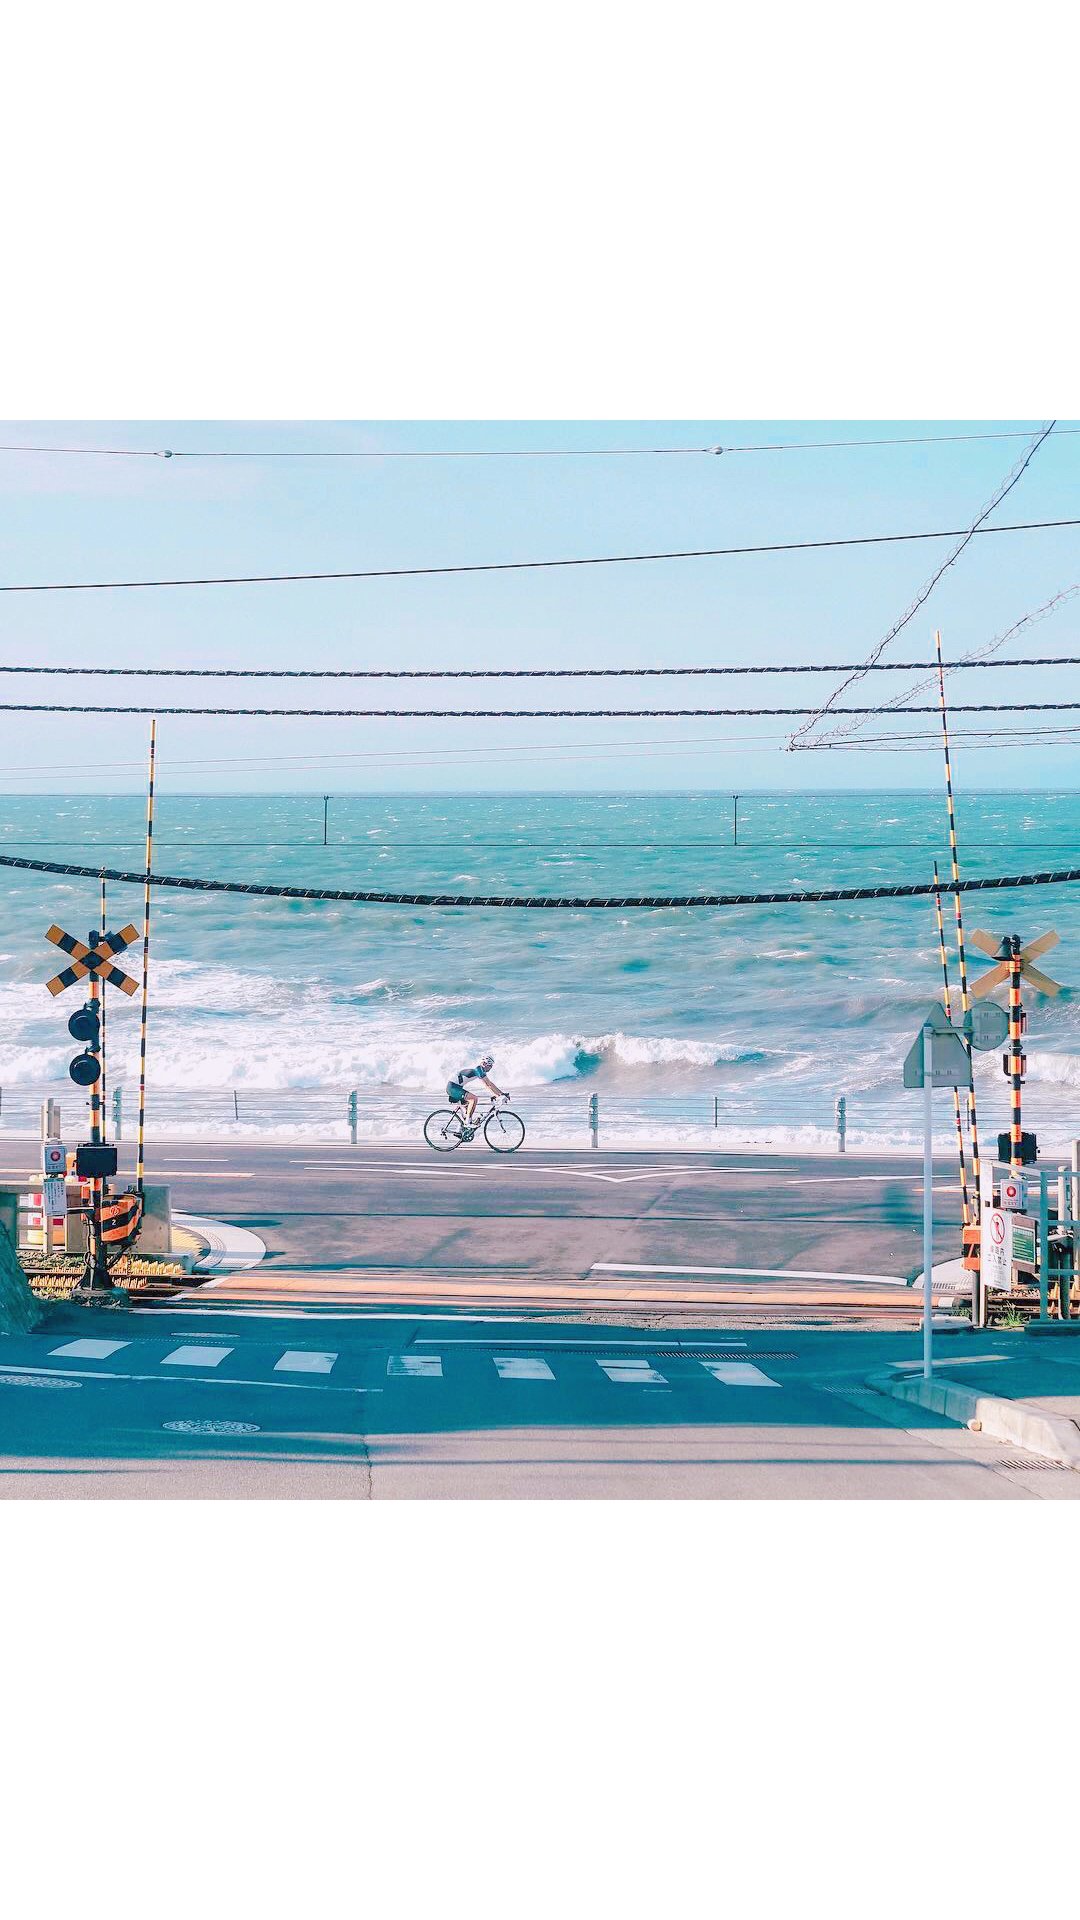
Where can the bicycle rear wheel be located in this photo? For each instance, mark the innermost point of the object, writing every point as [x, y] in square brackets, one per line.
[442, 1130]
[504, 1131]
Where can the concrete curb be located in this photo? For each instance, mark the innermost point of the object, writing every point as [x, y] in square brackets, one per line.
[1052, 1435]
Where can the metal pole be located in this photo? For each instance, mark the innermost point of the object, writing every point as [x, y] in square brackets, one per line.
[1044, 1247]
[594, 1118]
[841, 1124]
[325, 810]
[140, 1152]
[1016, 1057]
[978, 1303]
[104, 1066]
[735, 820]
[928, 1200]
[965, 1204]
[352, 1118]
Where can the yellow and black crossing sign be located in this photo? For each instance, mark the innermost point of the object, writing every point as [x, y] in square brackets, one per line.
[94, 961]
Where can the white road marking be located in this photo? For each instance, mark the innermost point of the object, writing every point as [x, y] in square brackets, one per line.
[756, 1273]
[211, 1380]
[512, 1366]
[476, 1340]
[90, 1349]
[738, 1373]
[637, 1373]
[196, 1356]
[303, 1361]
[426, 1366]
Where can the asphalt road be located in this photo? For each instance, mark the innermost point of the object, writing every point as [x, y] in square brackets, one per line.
[568, 1229]
[117, 1403]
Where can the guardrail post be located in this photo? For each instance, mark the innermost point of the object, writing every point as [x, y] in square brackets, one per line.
[594, 1118]
[352, 1118]
[117, 1109]
[50, 1120]
[841, 1124]
[235, 1105]
[716, 1109]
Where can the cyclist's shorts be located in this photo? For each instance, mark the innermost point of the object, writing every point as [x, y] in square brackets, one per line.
[455, 1092]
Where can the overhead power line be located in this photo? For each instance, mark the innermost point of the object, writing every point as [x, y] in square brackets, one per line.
[923, 595]
[518, 713]
[531, 566]
[519, 673]
[367, 897]
[521, 453]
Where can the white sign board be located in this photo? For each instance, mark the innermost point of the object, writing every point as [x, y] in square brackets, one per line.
[1011, 1189]
[996, 1259]
[54, 1158]
[54, 1200]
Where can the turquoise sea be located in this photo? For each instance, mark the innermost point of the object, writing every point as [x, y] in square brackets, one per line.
[752, 1018]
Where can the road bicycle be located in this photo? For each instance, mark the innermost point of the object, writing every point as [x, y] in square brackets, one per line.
[448, 1128]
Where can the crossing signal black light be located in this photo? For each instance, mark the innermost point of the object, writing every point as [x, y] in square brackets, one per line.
[85, 1025]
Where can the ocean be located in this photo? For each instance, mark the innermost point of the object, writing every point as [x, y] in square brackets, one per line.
[692, 1027]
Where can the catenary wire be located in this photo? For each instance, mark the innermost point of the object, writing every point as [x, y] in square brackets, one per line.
[1011, 480]
[520, 713]
[533, 566]
[520, 673]
[368, 897]
[521, 453]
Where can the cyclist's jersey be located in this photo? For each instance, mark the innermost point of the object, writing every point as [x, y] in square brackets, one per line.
[471, 1073]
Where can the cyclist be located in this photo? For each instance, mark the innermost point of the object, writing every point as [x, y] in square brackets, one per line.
[456, 1088]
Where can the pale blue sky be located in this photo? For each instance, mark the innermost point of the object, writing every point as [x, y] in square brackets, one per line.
[79, 518]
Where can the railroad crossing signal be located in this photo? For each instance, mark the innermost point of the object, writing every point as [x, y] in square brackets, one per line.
[94, 959]
[1015, 963]
[90, 960]
[1005, 951]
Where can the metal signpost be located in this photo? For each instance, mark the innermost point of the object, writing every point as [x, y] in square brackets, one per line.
[938, 1058]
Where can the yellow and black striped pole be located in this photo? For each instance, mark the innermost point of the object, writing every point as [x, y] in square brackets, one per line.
[140, 1160]
[947, 1003]
[102, 1083]
[971, 1236]
[1016, 1056]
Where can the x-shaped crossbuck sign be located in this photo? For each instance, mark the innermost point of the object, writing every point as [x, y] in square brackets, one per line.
[95, 960]
[998, 975]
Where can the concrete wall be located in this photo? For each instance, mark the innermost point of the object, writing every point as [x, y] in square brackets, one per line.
[19, 1311]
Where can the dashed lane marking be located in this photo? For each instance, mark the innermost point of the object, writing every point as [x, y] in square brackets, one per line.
[301, 1361]
[636, 1373]
[738, 1373]
[417, 1366]
[196, 1356]
[89, 1349]
[513, 1366]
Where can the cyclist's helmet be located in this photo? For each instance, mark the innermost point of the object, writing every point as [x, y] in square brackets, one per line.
[488, 1062]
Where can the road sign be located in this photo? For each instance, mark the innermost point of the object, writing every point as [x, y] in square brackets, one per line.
[1011, 1192]
[1023, 1241]
[986, 1025]
[54, 1197]
[95, 961]
[950, 1060]
[54, 1159]
[997, 1229]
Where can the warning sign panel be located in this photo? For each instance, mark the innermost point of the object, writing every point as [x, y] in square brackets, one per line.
[997, 1249]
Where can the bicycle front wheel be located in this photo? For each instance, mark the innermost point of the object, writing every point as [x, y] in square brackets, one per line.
[442, 1130]
[504, 1131]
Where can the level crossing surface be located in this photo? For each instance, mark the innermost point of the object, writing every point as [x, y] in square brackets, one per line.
[557, 1227]
[125, 1403]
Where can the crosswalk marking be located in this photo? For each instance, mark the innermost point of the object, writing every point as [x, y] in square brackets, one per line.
[427, 1366]
[632, 1373]
[196, 1357]
[90, 1349]
[738, 1373]
[513, 1366]
[302, 1361]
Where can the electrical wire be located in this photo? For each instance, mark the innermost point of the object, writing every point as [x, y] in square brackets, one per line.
[534, 566]
[525, 673]
[1011, 480]
[519, 453]
[366, 897]
[520, 713]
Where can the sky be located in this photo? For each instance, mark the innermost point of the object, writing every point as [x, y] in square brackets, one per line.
[90, 517]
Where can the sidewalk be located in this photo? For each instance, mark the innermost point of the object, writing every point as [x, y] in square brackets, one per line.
[1024, 1389]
